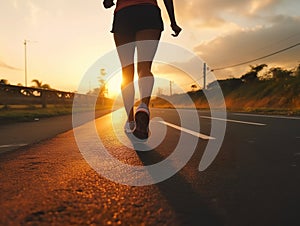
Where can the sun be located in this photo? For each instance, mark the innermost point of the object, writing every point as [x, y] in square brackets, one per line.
[114, 85]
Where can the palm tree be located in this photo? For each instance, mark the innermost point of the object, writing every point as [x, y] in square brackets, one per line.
[40, 85]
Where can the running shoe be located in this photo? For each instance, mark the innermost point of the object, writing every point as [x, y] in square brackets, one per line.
[142, 118]
[129, 127]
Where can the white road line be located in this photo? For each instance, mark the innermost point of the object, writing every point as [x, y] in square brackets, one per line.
[12, 145]
[236, 121]
[196, 134]
[267, 116]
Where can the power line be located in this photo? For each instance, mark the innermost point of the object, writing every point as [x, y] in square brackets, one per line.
[259, 58]
[246, 62]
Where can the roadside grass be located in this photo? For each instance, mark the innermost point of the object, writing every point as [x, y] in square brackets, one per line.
[277, 96]
[255, 110]
[24, 113]
[273, 111]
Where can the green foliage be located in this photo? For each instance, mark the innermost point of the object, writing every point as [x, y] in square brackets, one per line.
[30, 113]
[229, 85]
[297, 71]
[278, 88]
[252, 75]
[279, 73]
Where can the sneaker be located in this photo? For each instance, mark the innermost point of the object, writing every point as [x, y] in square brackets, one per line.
[129, 127]
[142, 118]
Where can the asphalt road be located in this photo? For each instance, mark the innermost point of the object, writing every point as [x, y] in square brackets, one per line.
[16, 135]
[254, 180]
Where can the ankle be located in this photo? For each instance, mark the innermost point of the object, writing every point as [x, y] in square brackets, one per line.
[143, 105]
[130, 119]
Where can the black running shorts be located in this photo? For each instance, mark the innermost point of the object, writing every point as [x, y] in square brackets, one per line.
[136, 18]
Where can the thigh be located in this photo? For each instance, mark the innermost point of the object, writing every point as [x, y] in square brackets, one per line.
[147, 43]
[125, 44]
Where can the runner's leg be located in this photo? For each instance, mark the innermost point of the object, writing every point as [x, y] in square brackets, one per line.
[146, 43]
[125, 48]
[146, 52]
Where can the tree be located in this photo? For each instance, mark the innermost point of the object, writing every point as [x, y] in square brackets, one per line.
[193, 87]
[252, 74]
[40, 85]
[278, 73]
[297, 71]
[103, 91]
[4, 82]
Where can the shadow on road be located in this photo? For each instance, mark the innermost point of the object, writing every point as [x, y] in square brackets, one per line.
[191, 207]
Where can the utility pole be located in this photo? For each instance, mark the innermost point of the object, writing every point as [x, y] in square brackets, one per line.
[171, 88]
[25, 48]
[204, 76]
[25, 53]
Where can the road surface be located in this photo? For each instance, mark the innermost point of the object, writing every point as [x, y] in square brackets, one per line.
[254, 180]
[16, 135]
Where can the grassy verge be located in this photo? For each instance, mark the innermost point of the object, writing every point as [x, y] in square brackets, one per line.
[31, 113]
[270, 111]
[264, 111]
[19, 114]
[231, 106]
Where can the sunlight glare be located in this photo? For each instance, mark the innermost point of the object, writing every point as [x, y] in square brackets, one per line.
[114, 85]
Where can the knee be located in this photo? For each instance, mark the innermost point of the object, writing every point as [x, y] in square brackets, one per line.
[144, 72]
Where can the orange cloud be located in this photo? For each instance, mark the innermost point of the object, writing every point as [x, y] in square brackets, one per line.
[247, 44]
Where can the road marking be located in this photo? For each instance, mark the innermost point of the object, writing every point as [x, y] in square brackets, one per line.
[236, 121]
[268, 116]
[12, 145]
[196, 134]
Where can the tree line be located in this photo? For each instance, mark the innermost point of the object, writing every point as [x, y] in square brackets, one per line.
[274, 74]
[36, 84]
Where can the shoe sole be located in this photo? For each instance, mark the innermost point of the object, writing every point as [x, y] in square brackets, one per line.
[142, 125]
[126, 130]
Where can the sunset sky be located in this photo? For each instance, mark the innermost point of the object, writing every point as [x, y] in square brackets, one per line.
[67, 37]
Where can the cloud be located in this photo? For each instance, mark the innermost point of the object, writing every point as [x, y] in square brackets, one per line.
[4, 65]
[248, 44]
[215, 13]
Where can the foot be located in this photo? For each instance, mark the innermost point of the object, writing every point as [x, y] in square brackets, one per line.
[142, 118]
[129, 127]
